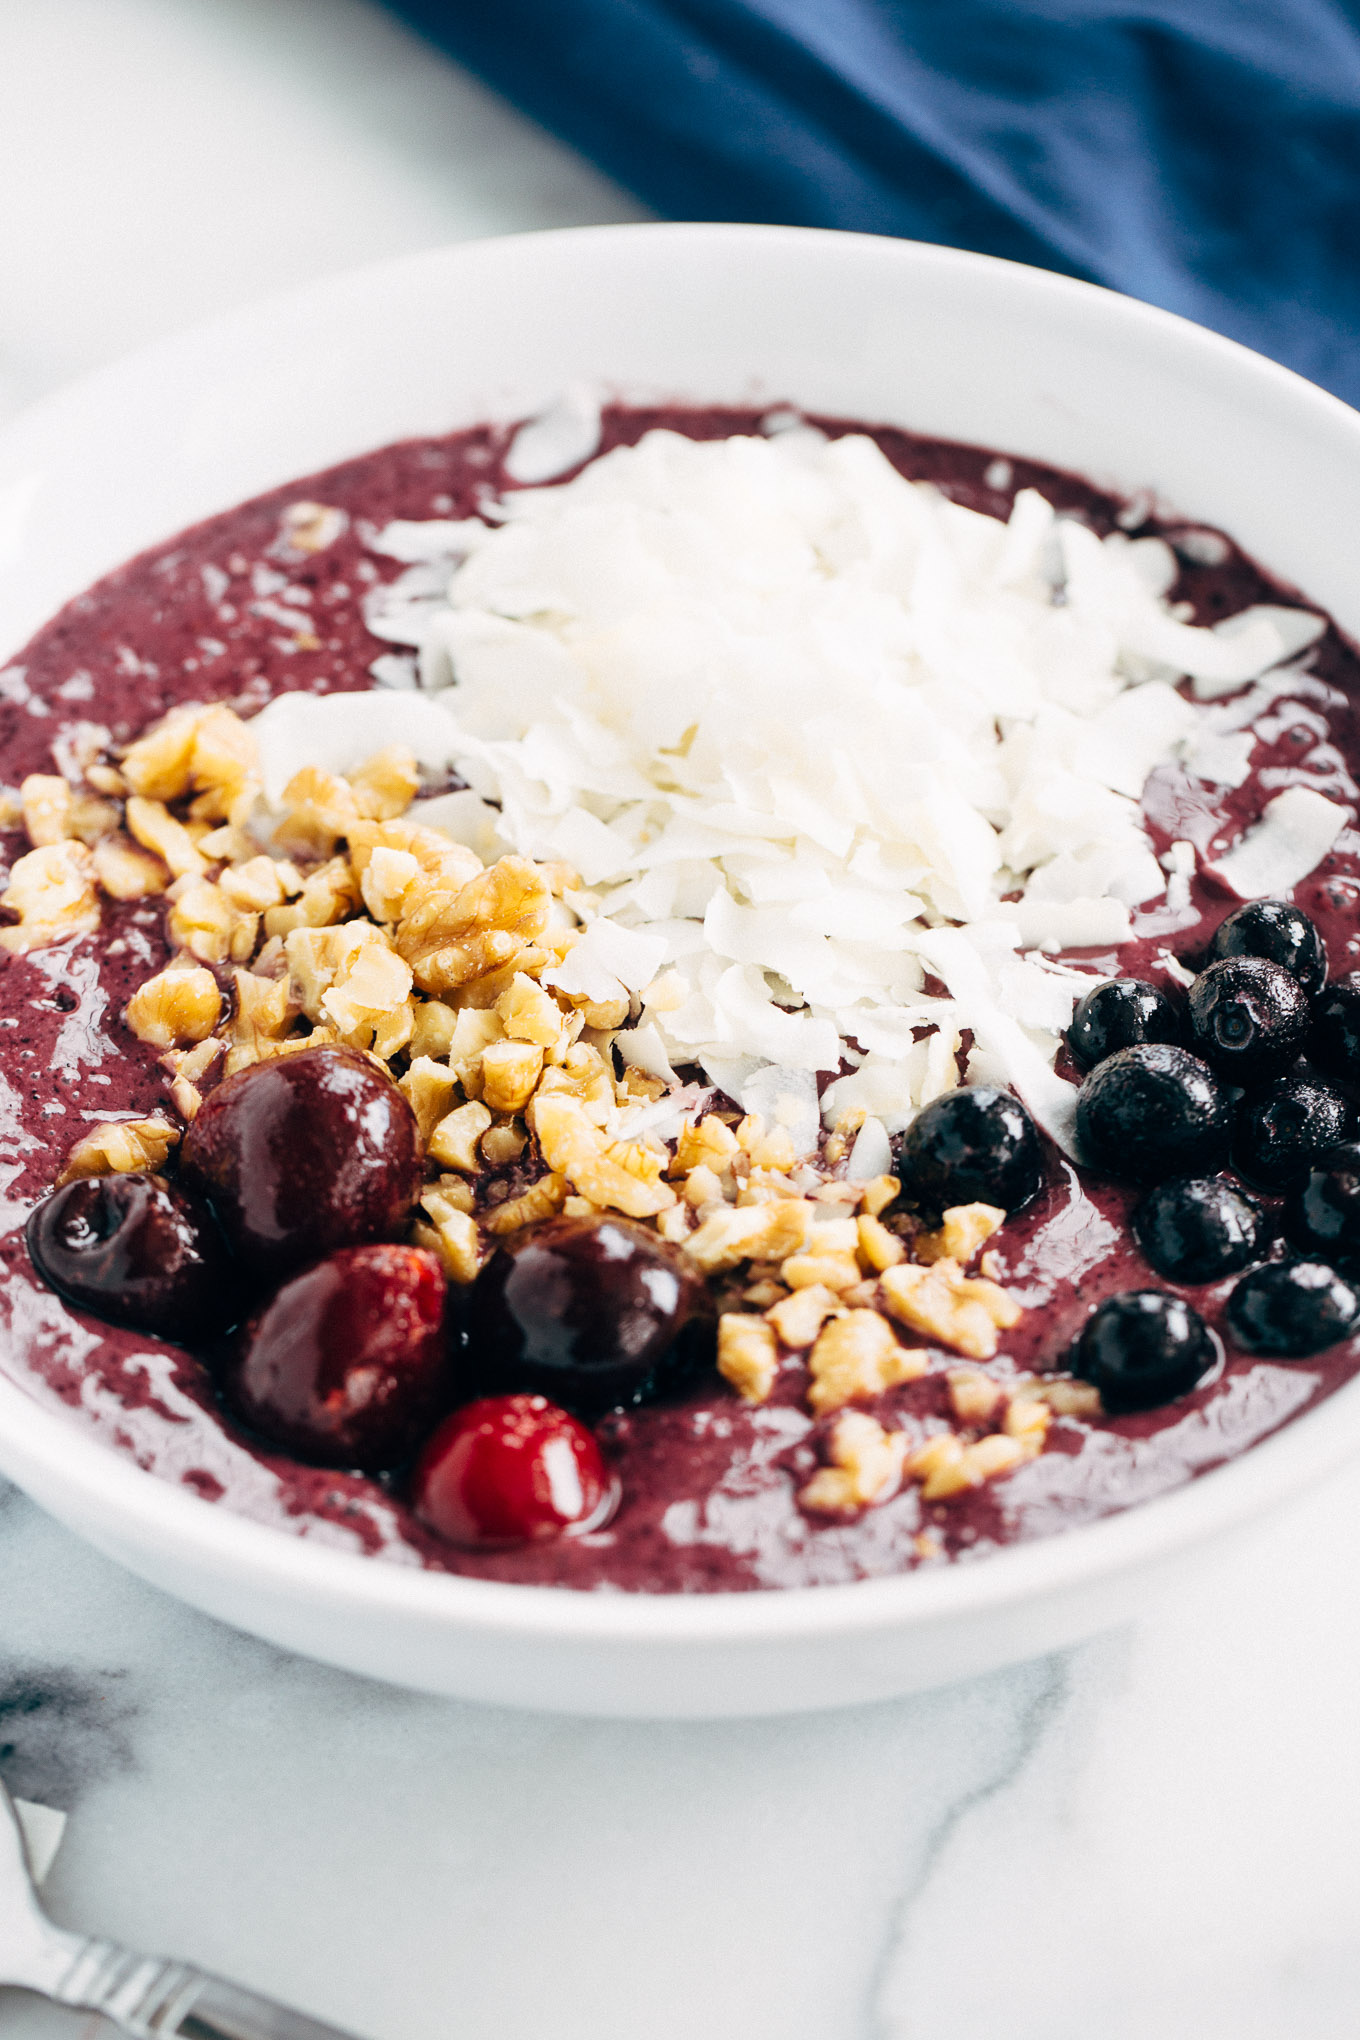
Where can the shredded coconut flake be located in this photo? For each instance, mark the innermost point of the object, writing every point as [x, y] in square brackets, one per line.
[824, 748]
[1294, 834]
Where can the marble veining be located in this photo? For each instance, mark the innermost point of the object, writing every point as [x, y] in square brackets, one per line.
[1146, 1839]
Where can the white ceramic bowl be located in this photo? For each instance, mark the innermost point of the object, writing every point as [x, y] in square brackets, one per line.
[947, 343]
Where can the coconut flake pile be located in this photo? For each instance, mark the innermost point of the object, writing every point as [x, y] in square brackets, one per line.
[840, 763]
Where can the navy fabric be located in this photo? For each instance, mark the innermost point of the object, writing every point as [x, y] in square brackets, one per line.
[1201, 154]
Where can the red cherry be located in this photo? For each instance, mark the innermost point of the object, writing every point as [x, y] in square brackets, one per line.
[347, 1366]
[136, 1251]
[302, 1155]
[510, 1469]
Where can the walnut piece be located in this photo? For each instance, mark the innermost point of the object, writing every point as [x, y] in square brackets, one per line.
[857, 1357]
[175, 1009]
[52, 890]
[748, 1358]
[963, 1229]
[119, 1147]
[943, 1303]
[866, 1467]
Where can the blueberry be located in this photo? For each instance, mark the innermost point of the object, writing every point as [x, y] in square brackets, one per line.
[1282, 1130]
[1119, 1014]
[1197, 1228]
[1144, 1348]
[1322, 1212]
[1292, 1308]
[1334, 1043]
[1151, 1112]
[1248, 1017]
[1280, 932]
[973, 1146]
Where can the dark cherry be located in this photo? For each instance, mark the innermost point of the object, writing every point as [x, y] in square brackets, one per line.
[302, 1155]
[1248, 1018]
[1322, 1211]
[1143, 1349]
[510, 1469]
[1334, 1040]
[1279, 931]
[1198, 1228]
[973, 1146]
[1292, 1308]
[1282, 1130]
[1153, 1111]
[346, 1366]
[1119, 1014]
[134, 1250]
[597, 1311]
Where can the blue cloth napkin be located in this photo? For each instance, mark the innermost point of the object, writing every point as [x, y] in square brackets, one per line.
[1201, 154]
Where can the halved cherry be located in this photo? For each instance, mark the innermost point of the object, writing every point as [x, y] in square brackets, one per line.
[346, 1366]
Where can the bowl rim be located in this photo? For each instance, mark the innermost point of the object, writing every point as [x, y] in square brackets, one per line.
[52, 1447]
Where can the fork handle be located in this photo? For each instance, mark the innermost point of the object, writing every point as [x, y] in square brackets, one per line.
[214, 2010]
[155, 2000]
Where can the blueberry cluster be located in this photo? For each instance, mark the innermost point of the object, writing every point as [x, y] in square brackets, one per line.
[1170, 1098]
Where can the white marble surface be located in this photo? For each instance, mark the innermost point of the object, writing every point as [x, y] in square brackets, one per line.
[1151, 1836]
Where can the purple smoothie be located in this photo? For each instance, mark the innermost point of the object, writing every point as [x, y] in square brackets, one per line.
[708, 1484]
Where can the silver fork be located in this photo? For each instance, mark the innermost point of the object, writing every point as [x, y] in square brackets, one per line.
[143, 1994]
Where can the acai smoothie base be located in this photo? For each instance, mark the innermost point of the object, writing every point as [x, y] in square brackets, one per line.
[693, 989]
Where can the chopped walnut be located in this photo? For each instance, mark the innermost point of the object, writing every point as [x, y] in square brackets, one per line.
[510, 1073]
[387, 882]
[204, 921]
[156, 829]
[52, 891]
[963, 1229]
[452, 1234]
[258, 883]
[974, 1398]
[452, 939]
[1067, 1397]
[823, 1271]
[939, 1466]
[1027, 1418]
[46, 802]
[370, 983]
[453, 1143]
[428, 1088]
[264, 1013]
[573, 1147]
[752, 1232]
[503, 1144]
[540, 1200]
[798, 1318]
[311, 527]
[946, 1467]
[119, 1147]
[529, 1013]
[747, 1356]
[856, 1357]
[866, 1467]
[943, 1303]
[175, 1008]
[879, 1194]
[434, 1029]
[386, 784]
[877, 1247]
[126, 872]
[702, 1188]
